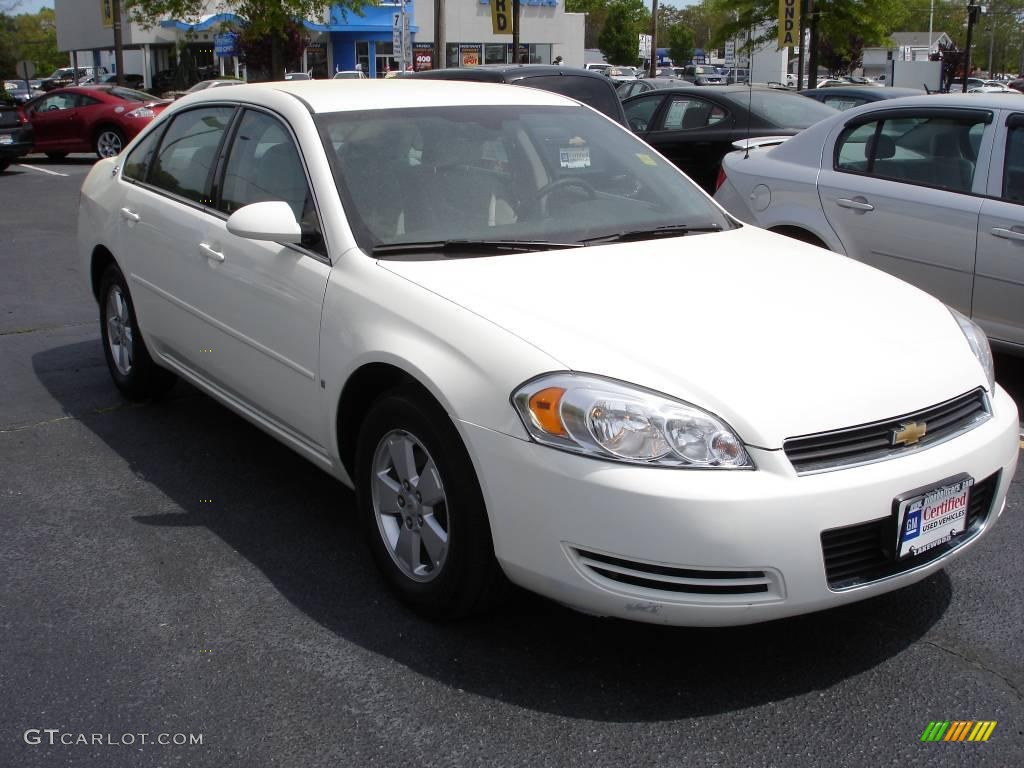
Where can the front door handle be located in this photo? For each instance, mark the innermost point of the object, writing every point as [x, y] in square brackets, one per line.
[130, 215]
[855, 205]
[1007, 234]
[209, 253]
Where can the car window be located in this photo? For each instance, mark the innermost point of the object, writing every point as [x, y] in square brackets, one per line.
[530, 173]
[130, 95]
[1013, 171]
[188, 151]
[82, 100]
[929, 151]
[136, 165]
[640, 112]
[781, 108]
[263, 164]
[55, 102]
[686, 113]
[842, 103]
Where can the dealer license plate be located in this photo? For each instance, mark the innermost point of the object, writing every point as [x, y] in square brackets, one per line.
[5, 138]
[933, 518]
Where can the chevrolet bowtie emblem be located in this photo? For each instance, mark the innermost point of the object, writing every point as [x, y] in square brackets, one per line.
[909, 433]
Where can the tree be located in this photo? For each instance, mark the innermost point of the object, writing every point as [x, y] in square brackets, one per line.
[680, 43]
[619, 40]
[264, 18]
[32, 37]
[841, 55]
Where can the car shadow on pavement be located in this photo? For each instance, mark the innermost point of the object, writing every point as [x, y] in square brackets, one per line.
[298, 527]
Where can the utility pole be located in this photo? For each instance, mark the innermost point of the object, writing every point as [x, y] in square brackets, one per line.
[812, 55]
[992, 34]
[802, 49]
[440, 61]
[118, 43]
[515, 32]
[972, 19]
[653, 65]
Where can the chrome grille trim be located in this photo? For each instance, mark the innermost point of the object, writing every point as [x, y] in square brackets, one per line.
[870, 443]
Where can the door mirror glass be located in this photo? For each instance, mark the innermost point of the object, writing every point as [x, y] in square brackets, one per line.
[273, 220]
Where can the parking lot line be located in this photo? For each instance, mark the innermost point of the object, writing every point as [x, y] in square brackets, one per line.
[42, 170]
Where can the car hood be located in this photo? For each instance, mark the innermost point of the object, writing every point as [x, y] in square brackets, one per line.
[777, 337]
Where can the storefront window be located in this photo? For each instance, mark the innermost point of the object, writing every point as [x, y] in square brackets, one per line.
[470, 54]
[451, 51]
[385, 58]
[495, 53]
[540, 53]
[363, 57]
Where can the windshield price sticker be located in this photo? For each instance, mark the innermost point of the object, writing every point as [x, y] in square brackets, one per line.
[574, 157]
[933, 519]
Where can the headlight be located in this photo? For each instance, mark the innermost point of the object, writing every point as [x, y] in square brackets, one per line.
[611, 420]
[979, 346]
[141, 112]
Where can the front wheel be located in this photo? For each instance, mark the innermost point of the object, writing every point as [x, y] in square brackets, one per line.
[422, 509]
[109, 143]
[128, 360]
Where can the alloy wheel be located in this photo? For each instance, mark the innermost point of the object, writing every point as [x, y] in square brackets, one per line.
[120, 335]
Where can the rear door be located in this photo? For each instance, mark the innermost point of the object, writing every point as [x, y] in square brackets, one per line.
[694, 133]
[902, 189]
[999, 283]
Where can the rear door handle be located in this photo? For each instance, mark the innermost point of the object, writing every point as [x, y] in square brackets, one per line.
[1007, 234]
[855, 205]
[130, 215]
[209, 253]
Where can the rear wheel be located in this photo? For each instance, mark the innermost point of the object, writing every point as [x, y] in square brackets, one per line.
[422, 509]
[109, 142]
[128, 360]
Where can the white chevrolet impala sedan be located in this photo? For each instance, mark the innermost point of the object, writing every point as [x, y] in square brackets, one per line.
[540, 354]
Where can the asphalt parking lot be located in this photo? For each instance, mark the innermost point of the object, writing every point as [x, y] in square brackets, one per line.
[166, 569]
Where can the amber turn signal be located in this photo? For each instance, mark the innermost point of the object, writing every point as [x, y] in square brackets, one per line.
[544, 409]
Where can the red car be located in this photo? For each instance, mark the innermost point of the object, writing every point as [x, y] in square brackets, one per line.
[89, 118]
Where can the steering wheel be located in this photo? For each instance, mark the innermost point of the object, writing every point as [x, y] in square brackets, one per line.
[539, 200]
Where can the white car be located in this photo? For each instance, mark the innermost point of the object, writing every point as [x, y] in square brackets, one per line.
[539, 352]
[350, 74]
[929, 188]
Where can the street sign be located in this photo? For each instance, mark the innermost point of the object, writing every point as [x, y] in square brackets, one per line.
[645, 46]
[25, 69]
[225, 45]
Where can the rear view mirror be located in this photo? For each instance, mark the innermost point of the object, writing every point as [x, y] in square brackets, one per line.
[272, 221]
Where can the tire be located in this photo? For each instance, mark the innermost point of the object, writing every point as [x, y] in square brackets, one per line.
[56, 155]
[456, 575]
[128, 360]
[109, 142]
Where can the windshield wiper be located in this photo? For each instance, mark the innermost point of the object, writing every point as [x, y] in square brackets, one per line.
[668, 230]
[468, 248]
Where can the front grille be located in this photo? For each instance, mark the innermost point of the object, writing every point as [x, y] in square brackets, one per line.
[866, 552]
[678, 580]
[873, 442]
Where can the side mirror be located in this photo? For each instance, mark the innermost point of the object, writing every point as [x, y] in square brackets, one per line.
[272, 221]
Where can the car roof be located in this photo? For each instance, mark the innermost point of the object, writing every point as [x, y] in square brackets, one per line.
[322, 96]
[504, 72]
[871, 91]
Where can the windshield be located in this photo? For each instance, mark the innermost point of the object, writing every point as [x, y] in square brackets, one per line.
[538, 174]
[781, 108]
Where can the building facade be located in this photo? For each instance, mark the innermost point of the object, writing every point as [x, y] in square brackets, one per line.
[341, 40]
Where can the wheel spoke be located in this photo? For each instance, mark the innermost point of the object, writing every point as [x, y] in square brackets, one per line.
[408, 548]
[434, 539]
[429, 485]
[402, 458]
[122, 358]
[386, 491]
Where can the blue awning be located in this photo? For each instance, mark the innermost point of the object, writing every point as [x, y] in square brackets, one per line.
[205, 22]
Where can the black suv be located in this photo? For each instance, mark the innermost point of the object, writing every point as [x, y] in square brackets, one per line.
[593, 89]
[15, 135]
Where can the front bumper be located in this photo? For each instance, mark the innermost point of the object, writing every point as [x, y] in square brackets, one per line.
[559, 521]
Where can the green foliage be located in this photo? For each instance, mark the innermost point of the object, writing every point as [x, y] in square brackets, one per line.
[597, 14]
[31, 36]
[619, 40]
[680, 43]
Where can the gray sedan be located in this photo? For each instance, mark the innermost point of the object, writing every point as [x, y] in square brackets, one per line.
[928, 188]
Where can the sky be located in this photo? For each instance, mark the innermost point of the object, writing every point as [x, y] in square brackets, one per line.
[31, 6]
